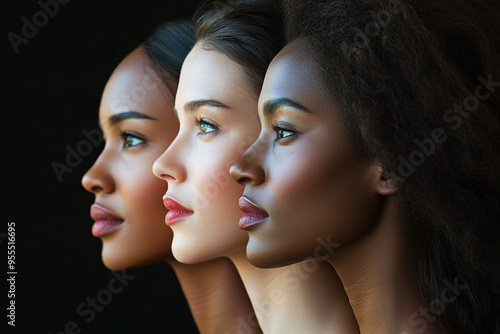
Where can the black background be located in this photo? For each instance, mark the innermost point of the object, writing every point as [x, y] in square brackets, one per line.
[50, 92]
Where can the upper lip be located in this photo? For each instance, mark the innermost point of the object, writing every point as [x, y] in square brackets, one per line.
[99, 213]
[172, 205]
[248, 207]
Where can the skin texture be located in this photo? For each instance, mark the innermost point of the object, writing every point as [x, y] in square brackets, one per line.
[122, 181]
[121, 178]
[196, 171]
[309, 180]
[286, 300]
[302, 169]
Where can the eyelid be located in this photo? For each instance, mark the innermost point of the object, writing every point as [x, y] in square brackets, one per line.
[126, 134]
[283, 126]
[277, 128]
[202, 120]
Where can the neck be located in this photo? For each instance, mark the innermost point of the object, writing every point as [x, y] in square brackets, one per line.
[379, 274]
[288, 299]
[215, 294]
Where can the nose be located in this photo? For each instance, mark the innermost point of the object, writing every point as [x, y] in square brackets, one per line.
[248, 169]
[98, 178]
[168, 166]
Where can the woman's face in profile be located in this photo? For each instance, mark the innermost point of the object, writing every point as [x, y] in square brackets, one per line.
[217, 110]
[138, 125]
[306, 192]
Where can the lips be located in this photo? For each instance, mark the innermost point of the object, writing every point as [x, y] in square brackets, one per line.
[176, 211]
[105, 220]
[253, 215]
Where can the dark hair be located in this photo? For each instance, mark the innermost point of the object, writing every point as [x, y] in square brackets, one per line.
[410, 79]
[249, 32]
[167, 48]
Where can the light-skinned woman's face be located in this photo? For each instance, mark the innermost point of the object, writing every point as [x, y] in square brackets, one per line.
[138, 125]
[304, 186]
[217, 111]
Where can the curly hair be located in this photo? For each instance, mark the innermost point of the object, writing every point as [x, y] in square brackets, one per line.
[249, 32]
[417, 83]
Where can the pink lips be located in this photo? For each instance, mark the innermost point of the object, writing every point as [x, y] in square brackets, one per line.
[253, 215]
[105, 220]
[176, 211]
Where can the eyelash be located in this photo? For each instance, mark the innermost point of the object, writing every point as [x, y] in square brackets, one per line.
[202, 122]
[128, 139]
[279, 129]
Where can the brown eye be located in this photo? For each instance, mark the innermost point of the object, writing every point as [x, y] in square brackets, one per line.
[130, 140]
[282, 133]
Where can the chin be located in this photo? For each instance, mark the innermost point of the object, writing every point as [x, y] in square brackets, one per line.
[120, 261]
[113, 264]
[259, 257]
[262, 257]
[186, 251]
[186, 254]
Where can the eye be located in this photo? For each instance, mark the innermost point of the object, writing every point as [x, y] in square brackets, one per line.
[206, 126]
[283, 133]
[130, 140]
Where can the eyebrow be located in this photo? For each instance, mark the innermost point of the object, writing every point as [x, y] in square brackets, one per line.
[120, 117]
[270, 106]
[194, 105]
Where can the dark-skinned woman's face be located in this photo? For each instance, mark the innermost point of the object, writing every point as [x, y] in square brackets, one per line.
[138, 125]
[302, 171]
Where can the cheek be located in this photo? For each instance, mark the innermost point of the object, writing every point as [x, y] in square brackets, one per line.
[143, 193]
[324, 193]
[211, 177]
[296, 175]
[144, 239]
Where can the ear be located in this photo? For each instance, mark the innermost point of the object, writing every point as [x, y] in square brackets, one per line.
[384, 184]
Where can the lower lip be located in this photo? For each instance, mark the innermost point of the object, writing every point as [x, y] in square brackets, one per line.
[103, 227]
[249, 220]
[175, 216]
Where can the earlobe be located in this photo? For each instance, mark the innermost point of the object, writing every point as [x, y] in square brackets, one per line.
[387, 186]
[384, 184]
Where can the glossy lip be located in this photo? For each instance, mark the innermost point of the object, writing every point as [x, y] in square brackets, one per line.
[176, 211]
[105, 220]
[253, 215]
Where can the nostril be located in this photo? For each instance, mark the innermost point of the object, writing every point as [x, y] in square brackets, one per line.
[96, 189]
[244, 180]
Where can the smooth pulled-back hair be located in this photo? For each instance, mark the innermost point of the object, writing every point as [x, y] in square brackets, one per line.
[249, 32]
[417, 84]
[167, 48]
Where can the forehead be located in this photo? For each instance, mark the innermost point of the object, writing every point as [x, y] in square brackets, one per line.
[134, 85]
[294, 74]
[208, 74]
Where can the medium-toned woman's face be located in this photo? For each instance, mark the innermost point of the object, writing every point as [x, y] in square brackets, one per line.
[304, 186]
[217, 111]
[138, 125]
